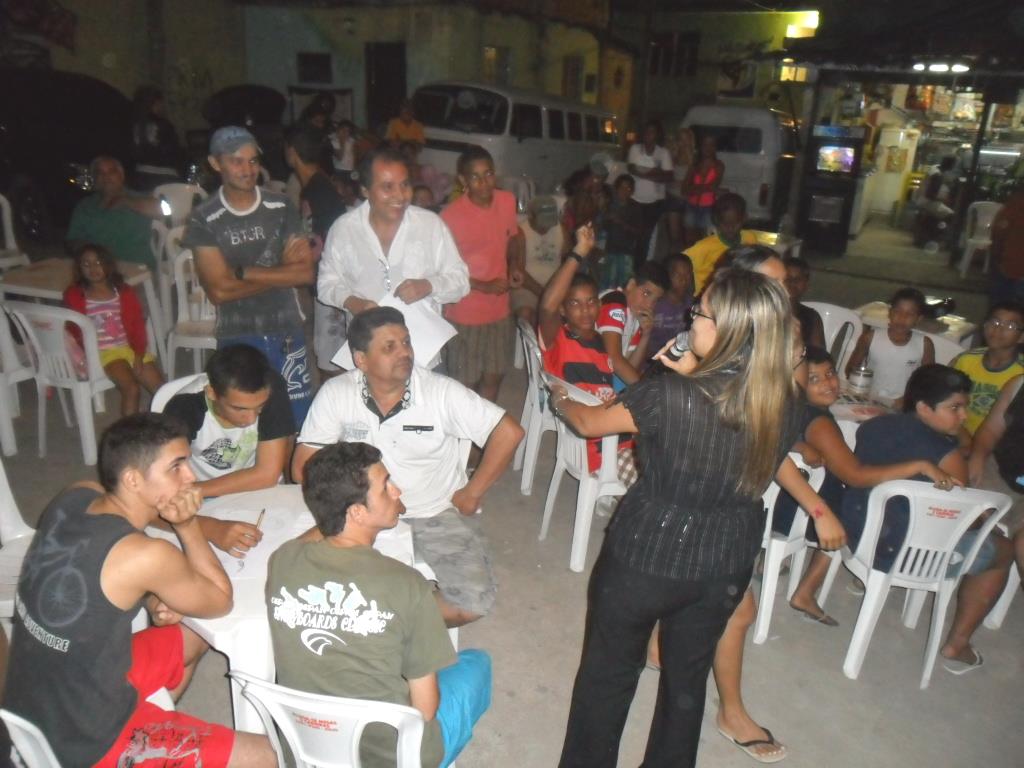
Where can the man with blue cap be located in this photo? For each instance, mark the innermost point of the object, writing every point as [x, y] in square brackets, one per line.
[250, 256]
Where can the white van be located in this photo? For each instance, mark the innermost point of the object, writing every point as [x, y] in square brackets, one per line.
[528, 133]
[758, 147]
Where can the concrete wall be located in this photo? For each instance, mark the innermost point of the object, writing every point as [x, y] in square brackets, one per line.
[204, 48]
[442, 42]
[724, 37]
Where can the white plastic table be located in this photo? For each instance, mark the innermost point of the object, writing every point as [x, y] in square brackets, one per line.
[48, 279]
[243, 636]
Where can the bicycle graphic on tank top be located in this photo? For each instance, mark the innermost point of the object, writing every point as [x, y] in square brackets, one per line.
[62, 595]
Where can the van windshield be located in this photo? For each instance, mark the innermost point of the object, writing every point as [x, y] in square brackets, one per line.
[731, 138]
[461, 108]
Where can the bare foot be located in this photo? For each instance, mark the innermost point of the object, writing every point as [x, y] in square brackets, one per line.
[742, 728]
[965, 653]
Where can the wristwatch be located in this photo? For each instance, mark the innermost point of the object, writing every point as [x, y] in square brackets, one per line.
[240, 272]
[576, 256]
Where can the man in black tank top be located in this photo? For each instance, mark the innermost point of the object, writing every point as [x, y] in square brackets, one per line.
[76, 669]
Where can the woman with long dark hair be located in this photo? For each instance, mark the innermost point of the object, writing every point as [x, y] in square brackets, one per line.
[681, 547]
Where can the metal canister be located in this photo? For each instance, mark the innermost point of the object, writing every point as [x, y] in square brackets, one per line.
[860, 380]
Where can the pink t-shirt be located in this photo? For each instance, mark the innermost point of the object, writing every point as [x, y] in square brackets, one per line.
[482, 235]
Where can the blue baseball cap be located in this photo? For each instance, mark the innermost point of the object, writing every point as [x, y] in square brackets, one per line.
[230, 139]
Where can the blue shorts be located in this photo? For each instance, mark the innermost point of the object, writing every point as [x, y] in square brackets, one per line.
[287, 353]
[465, 695]
[986, 555]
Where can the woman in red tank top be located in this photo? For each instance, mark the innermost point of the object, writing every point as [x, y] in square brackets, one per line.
[700, 188]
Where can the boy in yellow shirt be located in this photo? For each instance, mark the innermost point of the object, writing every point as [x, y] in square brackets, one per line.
[729, 214]
[991, 366]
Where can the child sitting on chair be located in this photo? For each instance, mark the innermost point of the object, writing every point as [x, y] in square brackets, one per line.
[934, 409]
[896, 353]
[100, 293]
[573, 349]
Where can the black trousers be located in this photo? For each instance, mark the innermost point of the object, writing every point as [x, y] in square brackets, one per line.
[650, 213]
[623, 606]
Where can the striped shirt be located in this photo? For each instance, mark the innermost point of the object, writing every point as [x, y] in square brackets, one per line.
[685, 519]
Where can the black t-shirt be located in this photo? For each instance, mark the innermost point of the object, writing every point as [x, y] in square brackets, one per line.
[71, 647]
[253, 238]
[685, 518]
[809, 320]
[321, 204]
[218, 450]
[1009, 452]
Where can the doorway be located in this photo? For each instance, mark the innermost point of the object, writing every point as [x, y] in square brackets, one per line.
[385, 83]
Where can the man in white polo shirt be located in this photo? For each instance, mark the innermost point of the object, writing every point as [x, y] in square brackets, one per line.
[416, 419]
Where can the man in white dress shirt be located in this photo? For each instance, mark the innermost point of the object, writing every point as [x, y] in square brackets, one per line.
[388, 246]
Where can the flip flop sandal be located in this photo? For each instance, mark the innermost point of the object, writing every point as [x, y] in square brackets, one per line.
[957, 667]
[750, 747]
[824, 619]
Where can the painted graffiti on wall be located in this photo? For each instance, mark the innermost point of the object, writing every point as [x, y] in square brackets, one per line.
[189, 85]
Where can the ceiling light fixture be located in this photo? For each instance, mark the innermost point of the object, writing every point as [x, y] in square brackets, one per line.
[938, 67]
[919, 67]
[961, 68]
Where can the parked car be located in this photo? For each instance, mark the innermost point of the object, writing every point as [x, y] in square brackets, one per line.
[527, 132]
[758, 147]
[51, 126]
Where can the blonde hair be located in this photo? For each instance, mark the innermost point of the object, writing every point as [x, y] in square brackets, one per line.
[753, 345]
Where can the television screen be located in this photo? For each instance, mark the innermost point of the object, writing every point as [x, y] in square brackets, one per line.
[835, 159]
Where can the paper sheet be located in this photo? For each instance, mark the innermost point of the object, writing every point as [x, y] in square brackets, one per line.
[427, 329]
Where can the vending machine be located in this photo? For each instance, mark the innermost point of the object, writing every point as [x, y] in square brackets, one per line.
[831, 174]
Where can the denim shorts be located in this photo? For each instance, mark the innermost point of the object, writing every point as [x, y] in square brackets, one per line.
[986, 555]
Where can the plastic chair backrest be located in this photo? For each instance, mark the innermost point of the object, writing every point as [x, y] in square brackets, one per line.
[13, 260]
[979, 220]
[534, 362]
[7, 222]
[945, 349]
[180, 196]
[325, 730]
[573, 448]
[193, 304]
[842, 329]
[44, 329]
[12, 526]
[938, 520]
[194, 382]
[30, 742]
[157, 240]
[815, 477]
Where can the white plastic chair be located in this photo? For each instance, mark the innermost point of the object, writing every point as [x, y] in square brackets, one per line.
[14, 369]
[15, 537]
[44, 329]
[978, 233]
[842, 329]
[170, 248]
[938, 520]
[197, 317]
[280, 187]
[945, 349]
[571, 457]
[195, 382]
[10, 255]
[325, 731]
[779, 546]
[537, 418]
[180, 196]
[30, 742]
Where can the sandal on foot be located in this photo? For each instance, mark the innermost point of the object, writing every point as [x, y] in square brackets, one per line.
[825, 619]
[957, 667]
[750, 747]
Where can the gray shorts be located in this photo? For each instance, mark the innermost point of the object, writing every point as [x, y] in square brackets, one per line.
[451, 544]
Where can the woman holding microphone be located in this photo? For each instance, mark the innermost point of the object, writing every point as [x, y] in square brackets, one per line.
[681, 547]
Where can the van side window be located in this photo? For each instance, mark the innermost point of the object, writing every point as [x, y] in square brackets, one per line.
[526, 121]
[575, 126]
[591, 124]
[556, 124]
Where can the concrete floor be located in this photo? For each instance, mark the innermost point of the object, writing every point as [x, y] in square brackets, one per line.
[793, 684]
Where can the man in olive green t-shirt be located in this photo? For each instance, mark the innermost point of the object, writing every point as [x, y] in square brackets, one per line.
[114, 217]
[347, 621]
